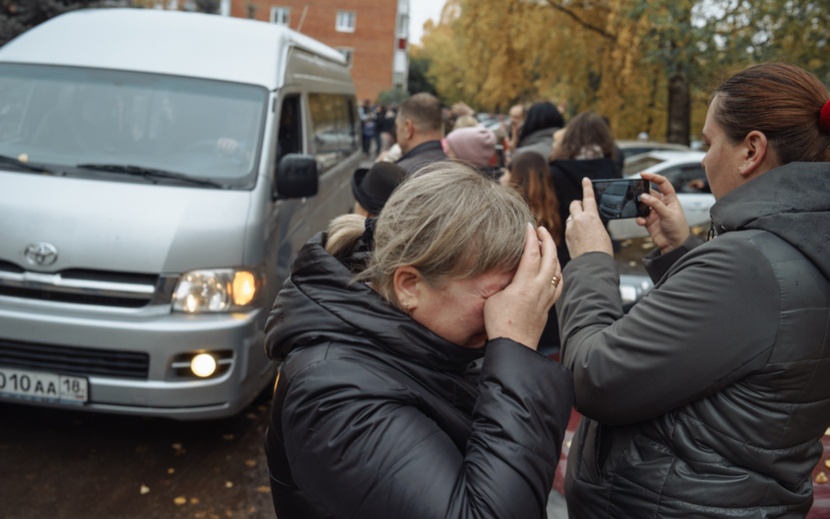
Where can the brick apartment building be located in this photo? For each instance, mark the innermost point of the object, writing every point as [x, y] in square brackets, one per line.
[372, 34]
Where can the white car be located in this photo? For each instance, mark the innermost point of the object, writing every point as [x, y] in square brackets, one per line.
[634, 148]
[684, 170]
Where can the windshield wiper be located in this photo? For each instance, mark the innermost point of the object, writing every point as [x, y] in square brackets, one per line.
[151, 174]
[25, 164]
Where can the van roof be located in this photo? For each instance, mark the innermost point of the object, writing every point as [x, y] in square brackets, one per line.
[165, 42]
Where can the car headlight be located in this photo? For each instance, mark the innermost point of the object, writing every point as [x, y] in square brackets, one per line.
[217, 290]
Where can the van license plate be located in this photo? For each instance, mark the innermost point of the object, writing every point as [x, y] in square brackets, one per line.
[36, 385]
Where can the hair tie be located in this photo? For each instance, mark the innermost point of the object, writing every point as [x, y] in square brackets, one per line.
[824, 118]
[369, 233]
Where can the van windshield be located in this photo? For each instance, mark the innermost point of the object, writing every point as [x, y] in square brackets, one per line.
[65, 116]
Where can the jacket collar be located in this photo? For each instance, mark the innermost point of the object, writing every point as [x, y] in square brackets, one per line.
[790, 201]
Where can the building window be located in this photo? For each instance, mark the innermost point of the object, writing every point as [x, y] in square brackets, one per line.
[280, 15]
[403, 26]
[348, 54]
[251, 11]
[346, 21]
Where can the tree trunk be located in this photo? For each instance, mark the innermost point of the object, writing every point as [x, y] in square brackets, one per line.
[678, 128]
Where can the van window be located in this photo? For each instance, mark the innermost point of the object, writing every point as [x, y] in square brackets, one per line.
[66, 116]
[289, 135]
[335, 137]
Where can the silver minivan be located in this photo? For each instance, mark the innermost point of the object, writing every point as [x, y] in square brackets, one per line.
[159, 170]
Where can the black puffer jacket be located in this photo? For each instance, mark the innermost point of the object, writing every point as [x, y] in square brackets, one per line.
[374, 416]
[709, 398]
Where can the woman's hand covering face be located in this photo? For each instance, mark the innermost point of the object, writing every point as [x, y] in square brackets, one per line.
[520, 311]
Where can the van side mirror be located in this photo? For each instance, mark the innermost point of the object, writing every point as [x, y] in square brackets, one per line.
[296, 176]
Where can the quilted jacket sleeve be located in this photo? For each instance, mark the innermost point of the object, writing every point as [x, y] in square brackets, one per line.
[710, 322]
[361, 453]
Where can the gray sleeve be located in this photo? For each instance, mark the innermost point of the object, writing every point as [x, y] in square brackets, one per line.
[709, 323]
[658, 264]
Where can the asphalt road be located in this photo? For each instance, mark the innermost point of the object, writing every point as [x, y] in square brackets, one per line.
[71, 464]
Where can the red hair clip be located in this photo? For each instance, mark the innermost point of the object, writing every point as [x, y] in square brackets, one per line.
[824, 118]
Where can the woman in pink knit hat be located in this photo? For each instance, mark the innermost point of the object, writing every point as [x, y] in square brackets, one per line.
[474, 145]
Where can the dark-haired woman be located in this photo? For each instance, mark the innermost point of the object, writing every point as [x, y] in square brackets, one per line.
[528, 174]
[536, 133]
[586, 150]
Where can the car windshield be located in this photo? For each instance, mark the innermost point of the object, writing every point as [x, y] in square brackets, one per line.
[67, 116]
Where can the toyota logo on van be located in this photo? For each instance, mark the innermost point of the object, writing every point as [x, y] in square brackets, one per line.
[41, 254]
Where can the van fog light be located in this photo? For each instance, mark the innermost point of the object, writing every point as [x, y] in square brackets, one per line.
[203, 365]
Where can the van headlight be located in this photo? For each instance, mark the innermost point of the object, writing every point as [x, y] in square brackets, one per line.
[217, 290]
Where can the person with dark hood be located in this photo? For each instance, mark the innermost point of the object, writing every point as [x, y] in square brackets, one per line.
[372, 186]
[536, 134]
[409, 386]
[710, 397]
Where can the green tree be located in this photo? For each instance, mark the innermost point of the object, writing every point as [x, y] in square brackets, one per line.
[418, 80]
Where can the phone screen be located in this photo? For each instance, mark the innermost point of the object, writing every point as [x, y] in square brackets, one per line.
[617, 198]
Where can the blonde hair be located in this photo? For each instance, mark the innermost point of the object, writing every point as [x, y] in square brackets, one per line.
[447, 220]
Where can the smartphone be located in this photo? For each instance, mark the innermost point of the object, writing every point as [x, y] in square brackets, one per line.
[617, 198]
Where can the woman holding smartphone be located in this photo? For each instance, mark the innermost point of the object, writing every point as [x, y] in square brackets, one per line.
[709, 398]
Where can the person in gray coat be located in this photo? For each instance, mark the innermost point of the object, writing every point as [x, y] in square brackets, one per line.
[709, 398]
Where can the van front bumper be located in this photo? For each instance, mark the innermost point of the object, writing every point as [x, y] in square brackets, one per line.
[159, 341]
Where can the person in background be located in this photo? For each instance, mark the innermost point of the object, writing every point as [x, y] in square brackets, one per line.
[537, 131]
[474, 145]
[377, 411]
[387, 127]
[710, 396]
[516, 118]
[465, 121]
[419, 131]
[379, 113]
[372, 187]
[528, 174]
[586, 150]
[367, 125]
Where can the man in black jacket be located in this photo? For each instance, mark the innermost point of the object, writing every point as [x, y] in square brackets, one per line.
[419, 131]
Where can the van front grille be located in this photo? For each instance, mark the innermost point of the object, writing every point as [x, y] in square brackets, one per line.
[74, 361]
[85, 287]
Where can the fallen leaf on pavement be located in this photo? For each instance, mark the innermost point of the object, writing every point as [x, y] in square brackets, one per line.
[144, 489]
[181, 500]
[250, 463]
[262, 489]
[821, 478]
